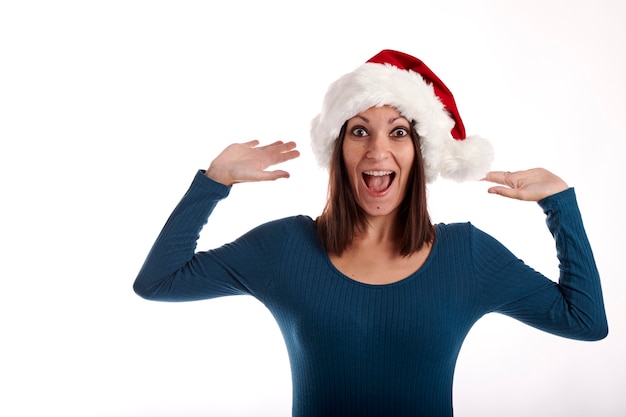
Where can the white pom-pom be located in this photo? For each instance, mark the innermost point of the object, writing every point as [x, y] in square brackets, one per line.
[466, 160]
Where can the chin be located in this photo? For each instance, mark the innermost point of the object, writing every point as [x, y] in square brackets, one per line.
[373, 209]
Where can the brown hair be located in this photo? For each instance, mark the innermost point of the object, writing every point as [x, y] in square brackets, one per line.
[342, 217]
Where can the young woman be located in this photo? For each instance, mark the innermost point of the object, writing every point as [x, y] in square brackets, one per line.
[373, 300]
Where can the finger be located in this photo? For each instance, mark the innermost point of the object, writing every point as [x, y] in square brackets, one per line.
[274, 175]
[287, 146]
[271, 175]
[286, 156]
[281, 152]
[269, 146]
[499, 177]
[279, 146]
[505, 192]
[251, 143]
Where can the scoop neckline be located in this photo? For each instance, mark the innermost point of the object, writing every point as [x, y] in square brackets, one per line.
[401, 281]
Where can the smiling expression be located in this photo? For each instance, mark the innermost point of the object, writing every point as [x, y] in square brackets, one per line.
[378, 153]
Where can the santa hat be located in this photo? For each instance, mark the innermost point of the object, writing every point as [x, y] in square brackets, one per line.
[406, 83]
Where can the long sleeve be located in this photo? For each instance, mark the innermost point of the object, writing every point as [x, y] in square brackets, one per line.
[574, 306]
[173, 271]
[176, 244]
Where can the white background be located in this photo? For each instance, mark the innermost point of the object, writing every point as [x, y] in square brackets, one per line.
[108, 108]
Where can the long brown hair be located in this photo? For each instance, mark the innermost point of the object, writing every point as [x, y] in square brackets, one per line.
[342, 218]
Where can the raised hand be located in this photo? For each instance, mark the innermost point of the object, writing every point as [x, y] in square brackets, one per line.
[530, 185]
[244, 162]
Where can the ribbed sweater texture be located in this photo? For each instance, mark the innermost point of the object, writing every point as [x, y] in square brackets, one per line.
[377, 350]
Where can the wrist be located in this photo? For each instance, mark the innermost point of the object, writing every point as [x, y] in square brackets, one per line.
[218, 175]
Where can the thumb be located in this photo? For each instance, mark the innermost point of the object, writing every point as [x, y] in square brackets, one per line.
[504, 191]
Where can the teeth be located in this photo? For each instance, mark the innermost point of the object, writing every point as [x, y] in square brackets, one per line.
[378, 173]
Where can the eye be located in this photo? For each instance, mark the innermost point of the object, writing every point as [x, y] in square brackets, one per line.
[400, 132]
[359, 131]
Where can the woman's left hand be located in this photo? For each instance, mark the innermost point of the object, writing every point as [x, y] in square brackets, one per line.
[530, 185]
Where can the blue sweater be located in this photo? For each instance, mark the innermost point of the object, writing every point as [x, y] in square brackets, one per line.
[376, 350]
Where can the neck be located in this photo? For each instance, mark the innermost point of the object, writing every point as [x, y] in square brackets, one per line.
[382, 230]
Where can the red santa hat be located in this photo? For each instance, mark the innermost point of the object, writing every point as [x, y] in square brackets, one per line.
[406, 83]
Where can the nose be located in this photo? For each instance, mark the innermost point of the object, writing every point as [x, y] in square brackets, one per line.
[377, 148]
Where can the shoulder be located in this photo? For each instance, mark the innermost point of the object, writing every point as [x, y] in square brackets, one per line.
[288, 223]
[283, 228]
[271, 239]
[453, 230]
[463, 233]
[481, 252]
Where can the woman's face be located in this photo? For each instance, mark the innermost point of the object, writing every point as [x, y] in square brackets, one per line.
[378, 153]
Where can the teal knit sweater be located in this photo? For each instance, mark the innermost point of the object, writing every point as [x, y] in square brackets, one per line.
[377, 350]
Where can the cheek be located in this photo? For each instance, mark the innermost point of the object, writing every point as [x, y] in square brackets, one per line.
[350, 158]
[407, 158]
[350, 161]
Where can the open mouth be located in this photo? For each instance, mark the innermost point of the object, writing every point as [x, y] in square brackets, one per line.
[378, 181]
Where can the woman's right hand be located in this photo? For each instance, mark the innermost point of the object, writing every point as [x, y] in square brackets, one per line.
[244, 162]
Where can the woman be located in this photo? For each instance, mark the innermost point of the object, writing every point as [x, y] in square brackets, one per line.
[373, 300]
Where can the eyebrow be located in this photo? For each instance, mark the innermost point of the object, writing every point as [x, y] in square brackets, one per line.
[392, 120]
[397, 118]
